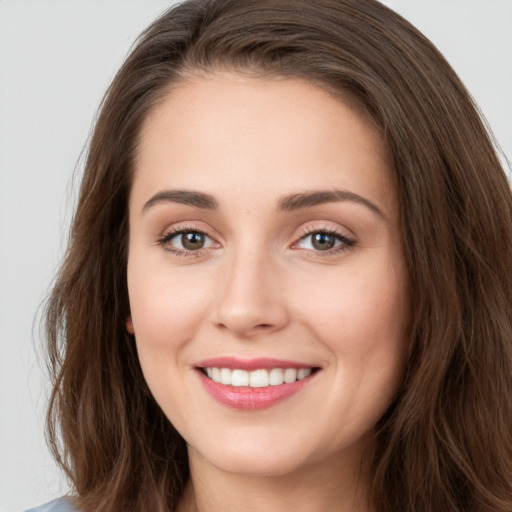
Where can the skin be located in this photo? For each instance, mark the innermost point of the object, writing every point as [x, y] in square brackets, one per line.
[260, 288]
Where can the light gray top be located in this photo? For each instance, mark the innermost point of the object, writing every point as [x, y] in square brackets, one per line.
[58, 505]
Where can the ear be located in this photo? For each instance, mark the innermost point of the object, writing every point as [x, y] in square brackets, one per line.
[129, 325]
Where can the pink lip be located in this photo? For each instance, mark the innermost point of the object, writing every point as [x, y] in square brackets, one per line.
[262, 363]
[251, 399]
[245, 397]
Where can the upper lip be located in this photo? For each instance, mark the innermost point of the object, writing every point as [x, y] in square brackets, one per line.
[259, 363]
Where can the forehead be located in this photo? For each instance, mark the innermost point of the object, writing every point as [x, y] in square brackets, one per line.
[257, 134]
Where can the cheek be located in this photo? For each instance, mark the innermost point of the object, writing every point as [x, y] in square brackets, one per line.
[165, 307]
[362, 319]
[364, 305]
[166, 310]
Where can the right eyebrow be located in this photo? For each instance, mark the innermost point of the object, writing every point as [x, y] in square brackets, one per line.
[188, 197]
[316, 197]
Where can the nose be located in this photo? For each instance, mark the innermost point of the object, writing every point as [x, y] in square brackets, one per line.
[251, 299]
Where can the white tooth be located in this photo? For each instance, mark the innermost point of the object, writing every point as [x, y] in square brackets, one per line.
[240, 378]
[275, 377]
[303, 373]
[216, 375]
[209, 372]
[258, 379]
[225, 376]
[290, 375]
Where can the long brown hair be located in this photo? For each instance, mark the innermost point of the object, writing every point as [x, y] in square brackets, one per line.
[445, 444]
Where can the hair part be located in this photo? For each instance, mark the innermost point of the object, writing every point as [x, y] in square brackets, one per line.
[445, 443]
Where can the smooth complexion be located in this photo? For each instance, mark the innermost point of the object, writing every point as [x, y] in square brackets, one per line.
[264, 230]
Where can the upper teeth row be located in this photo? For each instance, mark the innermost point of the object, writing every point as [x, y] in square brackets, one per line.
[257, 378]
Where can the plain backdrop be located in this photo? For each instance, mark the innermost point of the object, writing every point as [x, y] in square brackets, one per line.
[56, 60]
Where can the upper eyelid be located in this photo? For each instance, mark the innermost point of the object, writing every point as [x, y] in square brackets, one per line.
[183, 227]
[170, 234]
[321, 226]
[325, 229]
[347, 241]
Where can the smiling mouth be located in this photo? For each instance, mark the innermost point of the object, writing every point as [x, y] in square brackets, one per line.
[260, 378]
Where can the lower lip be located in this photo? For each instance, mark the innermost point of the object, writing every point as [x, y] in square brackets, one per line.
[250, 399]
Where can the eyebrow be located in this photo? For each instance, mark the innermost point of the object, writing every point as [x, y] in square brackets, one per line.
[287, 203]
[188, 197]
[310, 199]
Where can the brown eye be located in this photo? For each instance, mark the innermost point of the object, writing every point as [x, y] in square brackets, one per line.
[185, 242]
[192, 240]
[323, 241]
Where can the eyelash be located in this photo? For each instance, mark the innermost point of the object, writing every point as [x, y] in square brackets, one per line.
[169, 235]
[346, 243]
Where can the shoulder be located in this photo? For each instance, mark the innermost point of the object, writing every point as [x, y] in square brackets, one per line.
[58, 505]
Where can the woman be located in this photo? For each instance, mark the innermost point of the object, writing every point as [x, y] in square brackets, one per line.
[287, 284]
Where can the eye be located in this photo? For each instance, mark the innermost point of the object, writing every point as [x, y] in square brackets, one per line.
[328, 241]
[186, 241]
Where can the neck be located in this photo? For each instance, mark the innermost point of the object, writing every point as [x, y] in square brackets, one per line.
[332, 485]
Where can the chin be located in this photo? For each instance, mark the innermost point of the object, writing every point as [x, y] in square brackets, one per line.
[254, 460]
[261, 467]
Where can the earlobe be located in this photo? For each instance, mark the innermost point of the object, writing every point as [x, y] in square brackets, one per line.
[129, 325]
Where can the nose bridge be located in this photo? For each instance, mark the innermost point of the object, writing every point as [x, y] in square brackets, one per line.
[250, 299]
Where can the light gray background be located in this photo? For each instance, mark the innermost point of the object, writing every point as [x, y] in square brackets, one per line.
[56, 60]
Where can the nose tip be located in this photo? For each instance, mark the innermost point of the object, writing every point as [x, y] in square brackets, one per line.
[245, 322]
[252, 301]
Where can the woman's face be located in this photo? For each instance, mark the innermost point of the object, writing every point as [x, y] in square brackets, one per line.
[266, 274]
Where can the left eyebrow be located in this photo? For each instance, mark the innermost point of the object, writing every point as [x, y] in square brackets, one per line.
[309, 199]
[188, 197]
